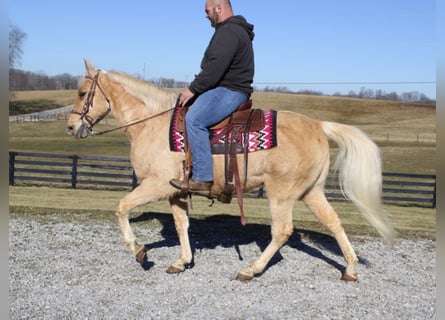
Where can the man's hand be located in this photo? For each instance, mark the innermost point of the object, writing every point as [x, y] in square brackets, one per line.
[185, 97]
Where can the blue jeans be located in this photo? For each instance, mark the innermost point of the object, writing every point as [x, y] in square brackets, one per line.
[208, 109]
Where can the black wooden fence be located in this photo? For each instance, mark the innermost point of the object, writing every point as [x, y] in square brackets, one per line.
[72, 171]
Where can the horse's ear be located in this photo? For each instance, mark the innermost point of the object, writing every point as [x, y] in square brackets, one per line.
[90, 69]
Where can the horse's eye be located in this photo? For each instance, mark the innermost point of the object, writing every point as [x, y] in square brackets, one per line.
[82, 94]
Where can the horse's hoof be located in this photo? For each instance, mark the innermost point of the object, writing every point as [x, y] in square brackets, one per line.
[243, 277]
[172, 269]
[348, 277]
[141, 254]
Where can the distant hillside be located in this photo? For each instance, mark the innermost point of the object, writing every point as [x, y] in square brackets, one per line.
[405, 132]
[383, 120]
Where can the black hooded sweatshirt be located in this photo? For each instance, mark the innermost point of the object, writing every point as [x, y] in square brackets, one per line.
[228, 60]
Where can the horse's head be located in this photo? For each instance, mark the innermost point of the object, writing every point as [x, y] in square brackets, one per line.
[91, 104]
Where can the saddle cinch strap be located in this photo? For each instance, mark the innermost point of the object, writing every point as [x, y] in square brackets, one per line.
[234, 131]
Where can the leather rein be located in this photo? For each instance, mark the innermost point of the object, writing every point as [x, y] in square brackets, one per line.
[89, 104]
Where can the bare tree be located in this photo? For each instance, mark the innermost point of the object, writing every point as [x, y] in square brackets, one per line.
[352, 94]
[65, 81]
[366, 93]
[16, 38]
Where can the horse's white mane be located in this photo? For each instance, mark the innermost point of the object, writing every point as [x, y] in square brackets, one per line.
[155, 98]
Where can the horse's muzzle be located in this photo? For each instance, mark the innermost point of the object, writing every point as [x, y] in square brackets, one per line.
[82, 131]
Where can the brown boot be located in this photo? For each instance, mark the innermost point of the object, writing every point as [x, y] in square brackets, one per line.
[199, 187]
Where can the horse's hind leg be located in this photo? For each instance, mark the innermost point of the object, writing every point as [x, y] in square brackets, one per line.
[315, 199]
[281, 228]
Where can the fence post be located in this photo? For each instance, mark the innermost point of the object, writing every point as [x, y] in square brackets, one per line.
[74, 172]
[134, 182]
[434, 196]
[11, 167]
[260, 193]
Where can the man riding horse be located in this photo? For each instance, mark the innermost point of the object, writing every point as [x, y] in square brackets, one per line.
[225, 81]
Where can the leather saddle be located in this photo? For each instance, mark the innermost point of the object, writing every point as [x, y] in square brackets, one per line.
[233, 131]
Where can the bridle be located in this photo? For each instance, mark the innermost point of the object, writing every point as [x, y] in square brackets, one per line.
[89, 103]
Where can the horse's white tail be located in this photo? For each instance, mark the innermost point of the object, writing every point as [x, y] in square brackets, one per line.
[360, 174]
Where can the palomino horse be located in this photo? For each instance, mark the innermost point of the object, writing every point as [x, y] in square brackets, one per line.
[296, 169]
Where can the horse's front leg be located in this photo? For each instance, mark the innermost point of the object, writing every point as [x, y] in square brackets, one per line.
[179, 210]
[144, 193]
[139, 196]
[281, 229]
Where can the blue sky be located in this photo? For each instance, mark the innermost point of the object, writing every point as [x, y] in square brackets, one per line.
[328, 46]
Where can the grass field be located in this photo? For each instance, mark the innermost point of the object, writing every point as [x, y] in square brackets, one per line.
[35, 101]
[410, 222]
[406, 134]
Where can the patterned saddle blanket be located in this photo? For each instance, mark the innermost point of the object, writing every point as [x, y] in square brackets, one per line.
[254, 140]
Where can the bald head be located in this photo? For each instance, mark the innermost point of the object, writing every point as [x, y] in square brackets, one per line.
[225, 3]
[218, 10]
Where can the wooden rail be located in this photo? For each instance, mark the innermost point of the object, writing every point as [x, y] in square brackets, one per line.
[72, 171]
[398, 188]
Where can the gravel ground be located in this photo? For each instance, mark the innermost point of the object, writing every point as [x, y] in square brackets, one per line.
[64, 266]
